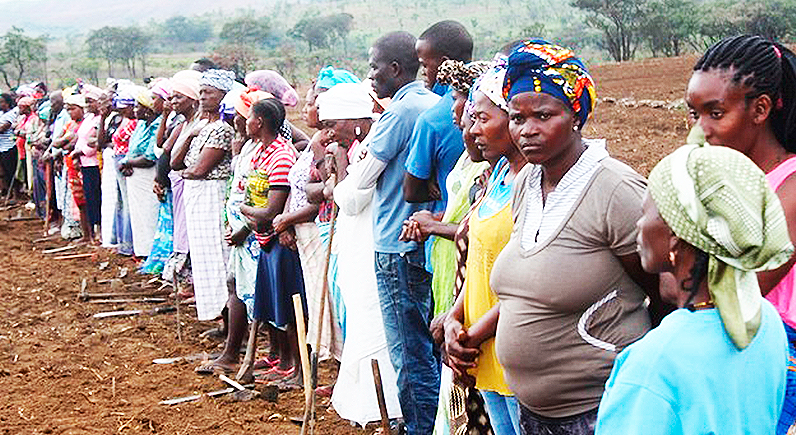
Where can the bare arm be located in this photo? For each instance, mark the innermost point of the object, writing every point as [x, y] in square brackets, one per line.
[263, 217]
[208, 159]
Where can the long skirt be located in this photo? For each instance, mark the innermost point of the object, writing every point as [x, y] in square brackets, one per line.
[144, 206]
[109, 197]
[178, 207]
[93, 193]
[204, 211]
[122, 230]
[279, 277]
[162, 244]
[242, 264]
[313, 255]
[71, 225]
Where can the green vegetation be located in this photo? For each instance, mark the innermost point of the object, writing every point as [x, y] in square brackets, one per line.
[297, 37]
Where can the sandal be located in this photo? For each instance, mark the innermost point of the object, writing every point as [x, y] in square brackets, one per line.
[266, 363]
[275, 373]
[213, 368]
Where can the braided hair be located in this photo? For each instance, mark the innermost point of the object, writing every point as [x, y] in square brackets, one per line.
[766, 68]
[272, 111]
[697, 274]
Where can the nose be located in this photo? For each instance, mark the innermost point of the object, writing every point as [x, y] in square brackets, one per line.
[475, 129]
[370, 74]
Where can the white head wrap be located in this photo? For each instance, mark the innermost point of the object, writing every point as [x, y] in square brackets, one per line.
[345, 101]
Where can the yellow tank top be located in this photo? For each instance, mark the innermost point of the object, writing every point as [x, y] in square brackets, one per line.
[487, 237]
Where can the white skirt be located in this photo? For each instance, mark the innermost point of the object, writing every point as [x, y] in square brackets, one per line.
[144, 207]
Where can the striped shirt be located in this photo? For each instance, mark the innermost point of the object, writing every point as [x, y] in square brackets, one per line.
[275, 162]
[121, 138]
[542, 217]
[6, 137]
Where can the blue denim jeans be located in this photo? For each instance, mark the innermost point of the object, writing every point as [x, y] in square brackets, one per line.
[580, 424]
[407, 306]
[503, 411]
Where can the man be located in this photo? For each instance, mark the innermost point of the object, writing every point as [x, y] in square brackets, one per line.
[403, 283]
[436, 142]
[8, 149]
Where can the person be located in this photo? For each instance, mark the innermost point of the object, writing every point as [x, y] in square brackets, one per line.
[66, 183]
[403, 282]
[741, 96]
[8, 150]
[472, 320]
[244, 247]
[75, 105]
[346, 112]
[138, 166]
[85, 149]
[436, 142]
[715, 365]
[205, 169]
[270, 81]
[574, 208]
[279, 274]
[124, 103]
[185, 101]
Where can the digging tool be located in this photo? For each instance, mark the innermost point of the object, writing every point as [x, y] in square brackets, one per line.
[75, 256]
[125, 313]
[385, 419]
[129, 301]
[61, 249]
[195, 397]
[11, 183]
[177, 305]
[84, 297]
[302, 340]
[231, 382]
[308, 422]
[188, 358]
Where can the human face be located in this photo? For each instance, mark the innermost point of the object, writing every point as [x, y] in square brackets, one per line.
[381, 74]
[240, 124]
[542, 127]
[92, 105]
[142, 112]
[342, 131]
[430, 61]
[158, 103]
[210, 98]
[75, 112]
[473, 151]
[310, 111]
[4, 105]
[720, 108]
[181, 102]
[253, 125]
[490, 128]
[459, 99]
[653, 238]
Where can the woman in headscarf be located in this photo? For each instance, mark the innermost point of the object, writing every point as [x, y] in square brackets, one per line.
[139, 168]
[741, 95]
[715, 365]
[346, 112]
[207, 169]
[124, 103]
[185, 102]
[574, 209]
[276, 85]
[75, 105]
[244, 247]
[472, 320]
[86, 150]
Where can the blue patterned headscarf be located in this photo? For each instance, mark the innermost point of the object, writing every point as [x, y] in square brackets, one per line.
[536, 65]
[329, 76]
[218, 78]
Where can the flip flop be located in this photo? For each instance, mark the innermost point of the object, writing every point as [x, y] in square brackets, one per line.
[212, 368]
[266, 363]
[276, 374]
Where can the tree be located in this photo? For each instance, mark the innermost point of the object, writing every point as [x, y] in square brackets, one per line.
[318, 32]
[668, 26]
[19, 54]
[237, 58]
[104, 44]
[246, 31]
[119, 44]
[190, 30]
[619, 21]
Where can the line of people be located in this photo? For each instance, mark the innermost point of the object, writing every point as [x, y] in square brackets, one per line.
[508, 274]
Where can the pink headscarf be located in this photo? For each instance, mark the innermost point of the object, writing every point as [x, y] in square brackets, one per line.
[91, 91]
[161, 87]
[273, 83]
[187, 83]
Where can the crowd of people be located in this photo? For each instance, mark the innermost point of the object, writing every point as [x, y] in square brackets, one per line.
[508, 274]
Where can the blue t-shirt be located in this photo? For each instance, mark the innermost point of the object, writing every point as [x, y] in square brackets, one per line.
[687, 377]
[390, 145]
[435, 147]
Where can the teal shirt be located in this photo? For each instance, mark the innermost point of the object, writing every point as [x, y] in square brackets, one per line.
[687, 377]
[143, 140]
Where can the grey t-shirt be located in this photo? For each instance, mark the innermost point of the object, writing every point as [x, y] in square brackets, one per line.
[567, 307]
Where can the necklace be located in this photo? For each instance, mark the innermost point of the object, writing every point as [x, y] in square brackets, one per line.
[703, 305]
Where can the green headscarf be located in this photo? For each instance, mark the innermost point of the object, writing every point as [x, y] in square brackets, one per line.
[718, 200]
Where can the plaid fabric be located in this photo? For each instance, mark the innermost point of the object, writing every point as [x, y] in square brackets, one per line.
[204, 208]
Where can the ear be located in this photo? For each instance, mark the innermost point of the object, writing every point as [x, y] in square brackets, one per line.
[395, 69]
[761, 108]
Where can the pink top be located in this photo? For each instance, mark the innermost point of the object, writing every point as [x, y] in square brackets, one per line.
[782, 296]
[87, 128]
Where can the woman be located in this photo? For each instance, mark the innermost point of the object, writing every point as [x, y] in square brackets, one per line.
[184, 101]
[75, 105]
[244, 247]
[139, 168]
[279, 274]
[472, 320]
[346, 114]
[574, 208]
[206, 171]
[716, 364]
[124, 103]
[86, 150]
[753, 81]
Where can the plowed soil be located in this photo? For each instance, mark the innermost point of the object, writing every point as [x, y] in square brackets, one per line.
[64, 372]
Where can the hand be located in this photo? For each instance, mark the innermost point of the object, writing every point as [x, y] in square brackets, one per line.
[408, 231]
[238, 237]
[160, 191]
[433, 190]
[460, 358]
[280, 223]
[425, 222]
[437, 329]
[288, 240]
[328, 188]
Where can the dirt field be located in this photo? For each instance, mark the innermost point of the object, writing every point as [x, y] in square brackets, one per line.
[64, 372]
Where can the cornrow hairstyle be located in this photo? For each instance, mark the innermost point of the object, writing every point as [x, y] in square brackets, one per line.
[450, 39]
[272, 111]
[698, 273]
[766, 68]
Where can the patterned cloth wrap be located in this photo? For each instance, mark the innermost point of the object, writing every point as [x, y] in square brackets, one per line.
[718, 200]
[538, 66]
[459, 75]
